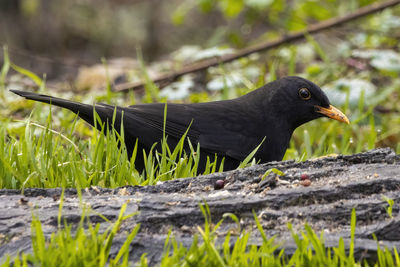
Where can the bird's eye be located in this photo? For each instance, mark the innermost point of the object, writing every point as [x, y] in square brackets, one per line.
[304, 93]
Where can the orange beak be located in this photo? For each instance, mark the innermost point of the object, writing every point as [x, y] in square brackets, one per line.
[332, 113]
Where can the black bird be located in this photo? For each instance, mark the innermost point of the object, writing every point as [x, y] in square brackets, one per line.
[230, 129]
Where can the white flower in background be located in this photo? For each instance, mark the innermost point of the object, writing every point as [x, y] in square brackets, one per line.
[178, 90]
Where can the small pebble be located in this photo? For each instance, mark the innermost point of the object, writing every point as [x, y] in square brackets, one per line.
[23, 201]
[306, 182]
[304, 176]
[219, 184]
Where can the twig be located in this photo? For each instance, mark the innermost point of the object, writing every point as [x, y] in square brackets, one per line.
[291, 37]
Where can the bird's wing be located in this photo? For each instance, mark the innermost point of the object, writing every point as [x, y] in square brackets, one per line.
[152, 116]
[219, 127]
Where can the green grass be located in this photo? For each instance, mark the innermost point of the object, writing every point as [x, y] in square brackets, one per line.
[43, 157]
[86, 246]
[389, 209]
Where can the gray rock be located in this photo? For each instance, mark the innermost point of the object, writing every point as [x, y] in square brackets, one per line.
[338, 184]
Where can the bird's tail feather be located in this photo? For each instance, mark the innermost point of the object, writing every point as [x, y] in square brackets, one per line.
[85, 111]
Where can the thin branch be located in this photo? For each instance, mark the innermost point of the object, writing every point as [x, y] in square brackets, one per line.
[291, 37]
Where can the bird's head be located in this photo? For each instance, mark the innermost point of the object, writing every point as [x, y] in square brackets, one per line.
[301, 101]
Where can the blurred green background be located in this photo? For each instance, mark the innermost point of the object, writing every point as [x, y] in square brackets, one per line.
[56, 36]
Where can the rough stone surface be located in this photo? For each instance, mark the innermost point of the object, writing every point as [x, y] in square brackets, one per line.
[337, 185]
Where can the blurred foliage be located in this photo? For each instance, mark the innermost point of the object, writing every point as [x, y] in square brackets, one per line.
[74, 32]
[299, 10]
[275, 15]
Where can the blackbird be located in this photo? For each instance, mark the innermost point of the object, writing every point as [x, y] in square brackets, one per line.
[229, 129]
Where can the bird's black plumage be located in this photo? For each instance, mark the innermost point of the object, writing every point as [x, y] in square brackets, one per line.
[229, 128]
